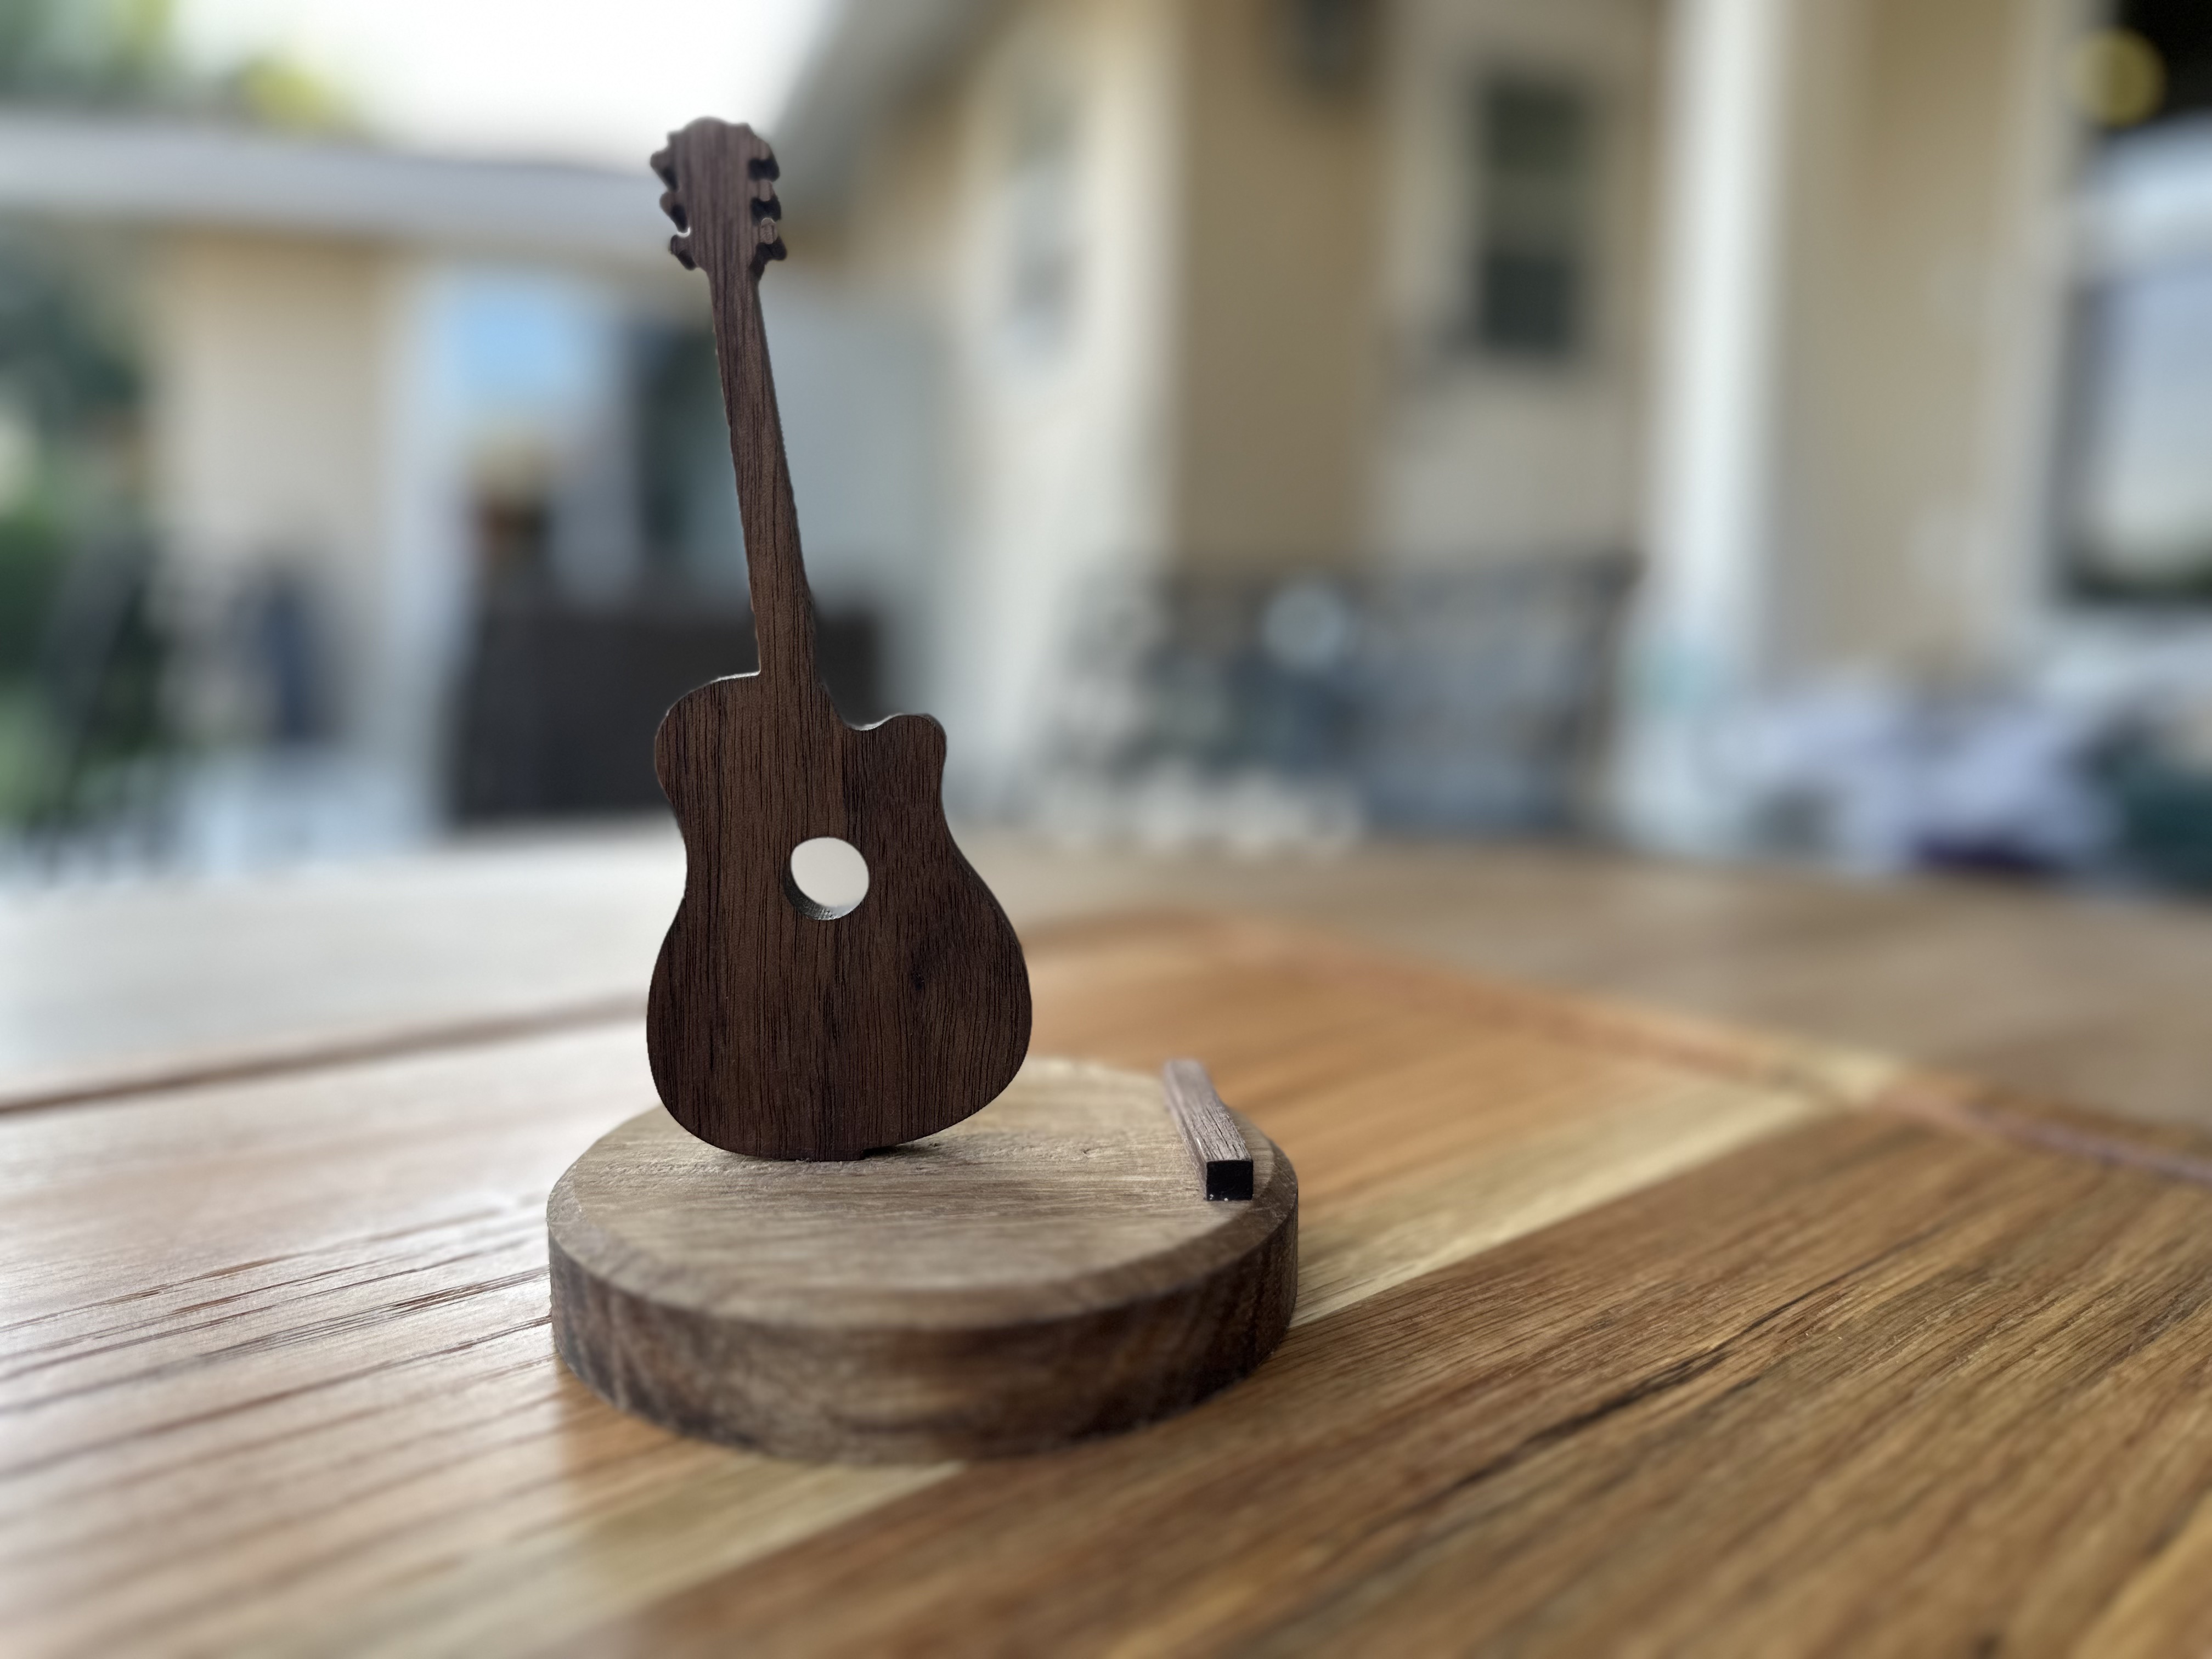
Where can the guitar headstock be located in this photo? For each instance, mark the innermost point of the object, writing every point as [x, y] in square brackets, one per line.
[721, 196]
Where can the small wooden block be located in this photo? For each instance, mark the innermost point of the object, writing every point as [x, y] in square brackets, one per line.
[1216, 1145]
[1042, 1273]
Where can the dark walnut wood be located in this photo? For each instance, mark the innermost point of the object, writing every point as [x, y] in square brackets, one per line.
[1209, 1131]
[776, 1028]
[1042, 1275]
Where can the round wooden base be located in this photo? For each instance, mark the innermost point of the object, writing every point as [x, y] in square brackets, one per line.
[1046, 1271]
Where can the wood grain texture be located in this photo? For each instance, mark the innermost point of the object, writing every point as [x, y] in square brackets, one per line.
[1210, 1131]
[1862, 1387]
[776, 1029]
[1615, 1332]
[275, 1369]
[1040, 1274]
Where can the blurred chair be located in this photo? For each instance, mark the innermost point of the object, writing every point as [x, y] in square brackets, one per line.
[102, 665]
[1485, 694]
[1470, 701]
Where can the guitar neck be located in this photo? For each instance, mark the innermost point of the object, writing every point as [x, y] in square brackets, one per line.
[783, 608]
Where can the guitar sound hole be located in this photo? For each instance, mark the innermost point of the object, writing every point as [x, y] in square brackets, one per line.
[826, 879]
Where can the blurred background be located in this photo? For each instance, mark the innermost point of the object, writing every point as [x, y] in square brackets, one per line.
[1738, 428]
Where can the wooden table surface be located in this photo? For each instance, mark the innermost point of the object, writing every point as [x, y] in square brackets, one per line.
[1618, 1331]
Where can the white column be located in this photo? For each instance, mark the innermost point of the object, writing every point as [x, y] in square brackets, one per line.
[1697, 647]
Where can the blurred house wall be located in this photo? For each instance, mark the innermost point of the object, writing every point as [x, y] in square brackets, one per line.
[1087, 291]
[1020, 206]
[270, 435]
[357, 360]
[1249, 364]
[1814, 387]
[1475, 455]
[335, 414]
[1280, 198]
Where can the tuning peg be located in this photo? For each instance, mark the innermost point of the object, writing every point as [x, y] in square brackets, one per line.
[777, 251]
[663, 162]
[681, 248]
[767, 207]
[672, 205]
[764, 167]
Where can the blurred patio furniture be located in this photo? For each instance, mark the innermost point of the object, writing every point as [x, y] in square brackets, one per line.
[1467, 701]
[101, 685]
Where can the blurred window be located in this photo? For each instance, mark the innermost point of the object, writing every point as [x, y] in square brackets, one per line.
[1534, 174]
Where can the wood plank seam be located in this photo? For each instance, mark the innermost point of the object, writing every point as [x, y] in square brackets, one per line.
[278, 1060]
[1970, 1104]
[1836, 1075]
[1990, 1111]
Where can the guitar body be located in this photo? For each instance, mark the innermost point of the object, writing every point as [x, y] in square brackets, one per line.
[777, 1028]
[779, 1032]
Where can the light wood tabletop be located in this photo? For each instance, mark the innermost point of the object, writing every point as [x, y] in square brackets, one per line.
[1618, 1331]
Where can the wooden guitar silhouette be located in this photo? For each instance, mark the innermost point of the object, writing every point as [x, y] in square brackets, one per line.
[778, 1028]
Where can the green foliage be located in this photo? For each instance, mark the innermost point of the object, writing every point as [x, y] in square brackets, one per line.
[83, 662]
[122, 54]
[65, 363]
[87, 710]
[86, 51]
[32, 550]
[70, 381]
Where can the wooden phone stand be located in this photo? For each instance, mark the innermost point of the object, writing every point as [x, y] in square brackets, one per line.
[818, 1248]
[1047, 1271]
